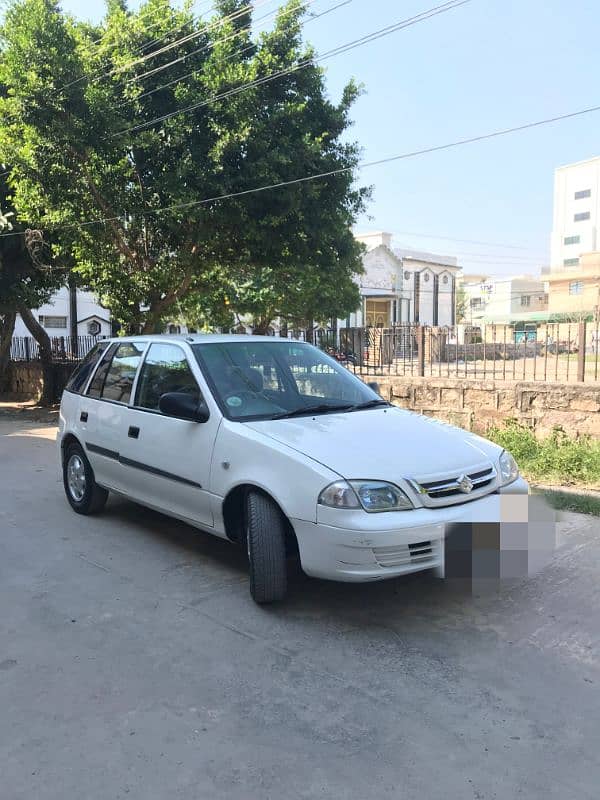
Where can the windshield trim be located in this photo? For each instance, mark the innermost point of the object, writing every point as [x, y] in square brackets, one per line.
[198, 347]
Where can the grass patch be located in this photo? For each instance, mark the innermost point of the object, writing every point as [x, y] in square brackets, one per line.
[570, 501]
[555, 459]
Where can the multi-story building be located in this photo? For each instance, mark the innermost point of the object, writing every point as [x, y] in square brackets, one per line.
[576, 292]
[514, 298]
[576, 214]
[400, 285]
[55, 316]
[574, 277]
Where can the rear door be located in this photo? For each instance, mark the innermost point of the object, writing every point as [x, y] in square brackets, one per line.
[104, 407]
[166, 461]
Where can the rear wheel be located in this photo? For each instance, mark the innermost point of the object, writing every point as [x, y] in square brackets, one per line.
[83, 493]
[265, 532]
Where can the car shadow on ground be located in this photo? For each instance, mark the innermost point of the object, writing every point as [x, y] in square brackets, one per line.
[226, 564]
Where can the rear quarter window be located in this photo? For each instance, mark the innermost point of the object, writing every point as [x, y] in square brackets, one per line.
[79, 378]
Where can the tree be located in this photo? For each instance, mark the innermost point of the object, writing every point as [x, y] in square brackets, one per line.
[461, 303]
[80, 108]
[26, 282]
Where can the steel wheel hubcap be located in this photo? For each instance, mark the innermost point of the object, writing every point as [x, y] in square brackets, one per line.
[76, 478]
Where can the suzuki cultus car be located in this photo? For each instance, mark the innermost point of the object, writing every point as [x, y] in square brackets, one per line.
[272, 444]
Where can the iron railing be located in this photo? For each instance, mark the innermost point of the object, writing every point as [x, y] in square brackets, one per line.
[64, 348]
[558, 352]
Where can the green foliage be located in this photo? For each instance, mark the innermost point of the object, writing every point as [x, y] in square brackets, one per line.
[24, 279]
[556, 458]
[570, 501]
[461, 303]
[73, 92]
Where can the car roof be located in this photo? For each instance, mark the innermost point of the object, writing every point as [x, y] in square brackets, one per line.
[200, 338]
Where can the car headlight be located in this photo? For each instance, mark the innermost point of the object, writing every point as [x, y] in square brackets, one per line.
[373, 496]
[509, 470]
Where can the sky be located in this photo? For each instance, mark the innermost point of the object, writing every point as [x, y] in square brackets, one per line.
[488, 65]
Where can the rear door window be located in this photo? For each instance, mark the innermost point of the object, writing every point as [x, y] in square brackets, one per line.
[121, 373]
[79, 378]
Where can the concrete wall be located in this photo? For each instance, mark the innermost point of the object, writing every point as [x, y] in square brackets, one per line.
[478, 405]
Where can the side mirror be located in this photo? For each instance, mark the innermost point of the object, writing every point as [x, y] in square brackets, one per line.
[183, 406]
[375, 386]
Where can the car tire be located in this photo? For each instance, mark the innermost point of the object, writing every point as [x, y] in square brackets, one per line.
[83, 493]
[265, 531]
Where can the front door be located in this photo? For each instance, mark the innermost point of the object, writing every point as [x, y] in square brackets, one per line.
[166, 461]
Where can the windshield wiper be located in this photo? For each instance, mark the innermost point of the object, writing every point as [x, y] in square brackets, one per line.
[368, 404]
[297, 412]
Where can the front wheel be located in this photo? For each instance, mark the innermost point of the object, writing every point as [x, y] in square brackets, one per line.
[83, 493]
[265, 532]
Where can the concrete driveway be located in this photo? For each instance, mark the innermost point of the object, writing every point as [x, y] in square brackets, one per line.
[133, 664]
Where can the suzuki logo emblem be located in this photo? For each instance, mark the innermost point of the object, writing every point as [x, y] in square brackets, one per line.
[465, 484]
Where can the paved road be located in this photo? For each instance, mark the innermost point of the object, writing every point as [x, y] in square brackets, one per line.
[133, 664]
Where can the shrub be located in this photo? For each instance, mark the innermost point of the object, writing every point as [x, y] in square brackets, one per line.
[557, 457]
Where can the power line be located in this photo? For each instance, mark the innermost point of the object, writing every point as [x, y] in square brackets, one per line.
[189, 37]
[237, 54]
[462, 241]
[339, 171]
[209, 46]
[148, 13]
[344, 48]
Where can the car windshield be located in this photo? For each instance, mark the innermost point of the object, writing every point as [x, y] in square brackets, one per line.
[254, 379]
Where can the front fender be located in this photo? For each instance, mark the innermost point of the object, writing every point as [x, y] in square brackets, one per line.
[245, 456]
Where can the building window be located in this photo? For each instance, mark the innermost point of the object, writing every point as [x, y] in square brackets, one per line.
[94, 328]
[476, 302]
[583, 194]
[571, 262]
[581, 217]
[572, 239]
[53, 322]
[407, 276]
[576, 287]
[426, 277]
[525, 300]
[174, 329]
[445, 280]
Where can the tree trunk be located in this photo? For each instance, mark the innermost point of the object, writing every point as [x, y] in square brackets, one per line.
[7, 328]
[43, 340]
[261, 326]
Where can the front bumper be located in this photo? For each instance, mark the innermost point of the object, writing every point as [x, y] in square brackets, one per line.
[355, 546]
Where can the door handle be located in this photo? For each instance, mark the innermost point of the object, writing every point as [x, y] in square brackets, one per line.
[133, 432]
[83, 417]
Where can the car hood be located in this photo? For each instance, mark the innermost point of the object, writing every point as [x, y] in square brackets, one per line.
[383, 444]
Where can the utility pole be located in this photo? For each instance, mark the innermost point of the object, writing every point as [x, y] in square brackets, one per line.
[73, 315]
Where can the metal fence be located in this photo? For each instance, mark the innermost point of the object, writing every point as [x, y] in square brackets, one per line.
[560, 352]
[64, 348]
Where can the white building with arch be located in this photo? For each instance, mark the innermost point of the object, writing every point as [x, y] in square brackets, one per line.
[404, 286]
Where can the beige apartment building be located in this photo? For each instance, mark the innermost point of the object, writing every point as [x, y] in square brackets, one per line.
[574, 278]
[576, 291]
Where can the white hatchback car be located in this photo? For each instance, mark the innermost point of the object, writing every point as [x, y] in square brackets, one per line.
[272, 444]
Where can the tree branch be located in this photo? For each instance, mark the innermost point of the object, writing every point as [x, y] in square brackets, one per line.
[106, 209]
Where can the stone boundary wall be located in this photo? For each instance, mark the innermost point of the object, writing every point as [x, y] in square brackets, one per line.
[25, 379]
[477, 405]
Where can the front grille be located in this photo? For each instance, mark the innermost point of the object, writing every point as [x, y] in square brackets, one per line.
[453, 487]
[420, 553]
